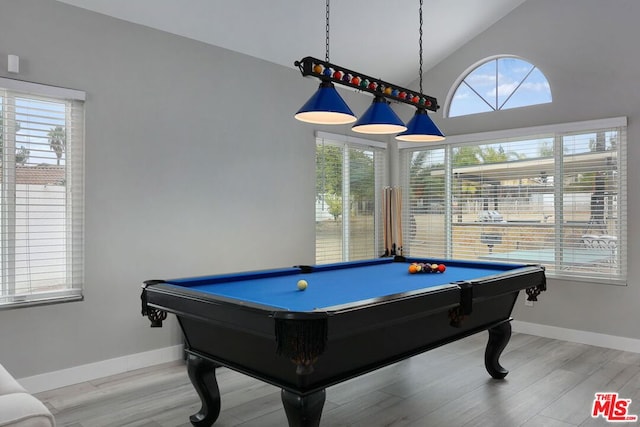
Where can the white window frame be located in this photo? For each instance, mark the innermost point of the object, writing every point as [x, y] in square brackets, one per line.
[72, 289]
[380, 176]
[407, 149]
[449, 100]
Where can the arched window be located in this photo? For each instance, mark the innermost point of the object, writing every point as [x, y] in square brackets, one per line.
[498, 84]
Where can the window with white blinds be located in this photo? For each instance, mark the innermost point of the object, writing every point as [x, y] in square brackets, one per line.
[41, 193]
[350, 177]
[554, 195]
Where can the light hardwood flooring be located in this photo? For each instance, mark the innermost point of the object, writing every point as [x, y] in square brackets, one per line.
[551, 383]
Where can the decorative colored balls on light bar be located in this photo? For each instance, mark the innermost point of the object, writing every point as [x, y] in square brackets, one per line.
[370, 85]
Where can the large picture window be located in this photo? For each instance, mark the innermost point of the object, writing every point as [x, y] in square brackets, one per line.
[552, 195]
[350, 176]
[41, 193]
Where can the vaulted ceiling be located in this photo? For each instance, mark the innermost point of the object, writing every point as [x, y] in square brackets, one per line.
[375, 37]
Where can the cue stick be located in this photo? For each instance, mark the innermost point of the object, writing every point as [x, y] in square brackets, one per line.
[392, 207]
[398, 200]
[392, 219]
[386, 222]
[384, 219]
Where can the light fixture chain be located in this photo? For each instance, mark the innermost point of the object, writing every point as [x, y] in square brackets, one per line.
[327, 34]
[420, 44]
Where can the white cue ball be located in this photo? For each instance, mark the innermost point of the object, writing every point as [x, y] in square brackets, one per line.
[302, 285]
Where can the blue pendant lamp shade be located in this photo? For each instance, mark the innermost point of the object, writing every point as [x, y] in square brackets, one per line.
[379, 119]
[326, 107]
[421, 129]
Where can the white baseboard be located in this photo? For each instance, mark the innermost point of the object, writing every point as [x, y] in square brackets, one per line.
[574, 335]
[104, 368]
[92, 371]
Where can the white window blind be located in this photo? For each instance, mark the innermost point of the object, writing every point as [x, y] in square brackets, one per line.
[554, 196]
[350, 177]
[426, 201]
[42, 183]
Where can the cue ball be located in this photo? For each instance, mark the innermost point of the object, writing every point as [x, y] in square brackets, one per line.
[302, 285]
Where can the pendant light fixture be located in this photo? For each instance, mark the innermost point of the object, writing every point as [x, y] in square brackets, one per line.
[326, 106]
[379, 119]
[421, 128]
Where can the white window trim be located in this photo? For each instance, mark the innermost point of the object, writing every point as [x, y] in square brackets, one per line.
[75, 189]
[381, 179]
[42, 90]
[350, 140]
[519, 132]
[580, 126]
[454, 88]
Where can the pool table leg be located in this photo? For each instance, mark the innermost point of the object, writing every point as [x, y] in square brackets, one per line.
[498, 338]
[202, 374]
[303, 411]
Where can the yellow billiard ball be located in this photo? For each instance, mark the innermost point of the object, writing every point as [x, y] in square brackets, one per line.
[302, 285]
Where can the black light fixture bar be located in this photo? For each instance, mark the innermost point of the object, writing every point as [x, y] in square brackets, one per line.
[326, 71]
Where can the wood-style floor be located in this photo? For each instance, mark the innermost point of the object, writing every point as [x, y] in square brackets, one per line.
[551, 384]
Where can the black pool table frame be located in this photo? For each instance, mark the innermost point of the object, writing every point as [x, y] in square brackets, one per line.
[303, 353]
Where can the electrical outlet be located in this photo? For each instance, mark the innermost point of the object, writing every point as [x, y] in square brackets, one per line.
[528, 303]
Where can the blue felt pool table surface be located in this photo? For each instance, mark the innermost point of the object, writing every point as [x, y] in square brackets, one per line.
[336, 284]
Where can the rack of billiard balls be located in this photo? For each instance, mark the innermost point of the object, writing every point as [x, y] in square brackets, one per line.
[425, 267]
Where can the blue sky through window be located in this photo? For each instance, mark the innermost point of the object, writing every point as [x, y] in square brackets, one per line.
[500, 84]
[36, 119]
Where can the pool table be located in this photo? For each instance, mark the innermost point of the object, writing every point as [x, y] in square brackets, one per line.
[353, 318]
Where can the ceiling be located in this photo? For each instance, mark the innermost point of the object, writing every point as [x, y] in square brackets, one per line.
[374, 37]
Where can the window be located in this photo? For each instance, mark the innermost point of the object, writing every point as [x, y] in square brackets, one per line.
[552, 195]
[349, 182]
[499, 84]
[41, 193]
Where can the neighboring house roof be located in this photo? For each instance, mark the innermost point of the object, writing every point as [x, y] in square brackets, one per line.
[39, 174]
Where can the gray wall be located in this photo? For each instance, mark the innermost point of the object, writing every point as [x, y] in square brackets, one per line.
[588, 51]
[194, 165]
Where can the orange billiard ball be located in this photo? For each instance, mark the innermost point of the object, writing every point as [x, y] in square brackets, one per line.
[413, 268]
